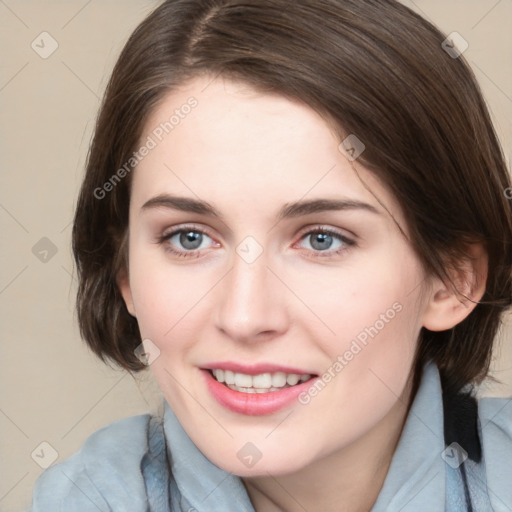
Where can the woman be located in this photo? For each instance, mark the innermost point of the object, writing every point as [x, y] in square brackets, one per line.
[286, 217]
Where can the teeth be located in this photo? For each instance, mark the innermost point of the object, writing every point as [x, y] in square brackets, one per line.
[261, 383]
[265, 380]
[292, 379]
[252, 390]
[243, 381]
[279, 379]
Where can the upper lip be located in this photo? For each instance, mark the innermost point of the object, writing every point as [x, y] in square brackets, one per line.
[254, 369]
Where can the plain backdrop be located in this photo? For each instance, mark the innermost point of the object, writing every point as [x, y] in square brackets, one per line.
[52, 390]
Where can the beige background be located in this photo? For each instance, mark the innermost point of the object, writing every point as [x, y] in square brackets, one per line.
[52, 389]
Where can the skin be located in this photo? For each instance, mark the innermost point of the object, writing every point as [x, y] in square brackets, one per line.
[249, 154]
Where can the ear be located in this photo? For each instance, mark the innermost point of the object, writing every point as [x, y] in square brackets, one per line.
[448, 306]
[123, 283]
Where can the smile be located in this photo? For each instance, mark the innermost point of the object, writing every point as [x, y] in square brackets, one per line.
[255, 390]
[261, 383]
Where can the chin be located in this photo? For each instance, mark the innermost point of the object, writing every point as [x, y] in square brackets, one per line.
[278, 463]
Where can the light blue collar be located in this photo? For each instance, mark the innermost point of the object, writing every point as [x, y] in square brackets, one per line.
[203, 486]
[416, 478]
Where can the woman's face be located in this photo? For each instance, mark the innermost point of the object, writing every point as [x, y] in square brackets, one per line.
[256, 254]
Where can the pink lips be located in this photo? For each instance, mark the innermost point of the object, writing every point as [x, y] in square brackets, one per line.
[253, 404]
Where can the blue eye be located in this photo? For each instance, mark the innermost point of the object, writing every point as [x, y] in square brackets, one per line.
[189, 240]
[325, 240]
[321, 241]
[186, 242]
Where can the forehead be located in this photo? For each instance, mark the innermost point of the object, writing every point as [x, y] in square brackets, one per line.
[221, 140]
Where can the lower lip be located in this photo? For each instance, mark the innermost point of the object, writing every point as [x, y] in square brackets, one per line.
[253, 404]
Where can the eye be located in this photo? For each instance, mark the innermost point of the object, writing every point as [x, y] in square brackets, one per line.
[325, 240]
[186, 241]
[189, 240]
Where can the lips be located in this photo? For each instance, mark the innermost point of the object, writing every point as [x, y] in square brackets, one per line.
[255, 389]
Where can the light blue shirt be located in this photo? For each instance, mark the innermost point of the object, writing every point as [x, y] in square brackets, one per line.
[125, 467]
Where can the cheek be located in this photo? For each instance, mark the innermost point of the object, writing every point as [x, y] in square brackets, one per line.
[371, 319]
[376, 291]
[169, 299]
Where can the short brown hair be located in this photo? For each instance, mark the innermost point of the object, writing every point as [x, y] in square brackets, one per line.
[374, 67]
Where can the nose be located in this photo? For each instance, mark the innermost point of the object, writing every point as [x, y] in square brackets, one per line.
[251, 302]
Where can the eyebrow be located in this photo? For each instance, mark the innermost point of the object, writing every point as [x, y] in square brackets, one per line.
[289, 210]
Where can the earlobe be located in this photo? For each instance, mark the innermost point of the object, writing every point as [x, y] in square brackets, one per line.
[449, 304]
[123, 283]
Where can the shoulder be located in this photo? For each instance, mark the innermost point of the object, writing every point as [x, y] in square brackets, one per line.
[495, 415]
[104, 473]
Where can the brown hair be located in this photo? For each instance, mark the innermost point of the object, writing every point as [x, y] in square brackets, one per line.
[375, 68]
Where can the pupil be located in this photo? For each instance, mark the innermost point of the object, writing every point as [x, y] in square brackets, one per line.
[191, 240]
[321, 241]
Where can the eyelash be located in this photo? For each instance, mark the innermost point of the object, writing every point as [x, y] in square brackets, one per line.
[196, 253]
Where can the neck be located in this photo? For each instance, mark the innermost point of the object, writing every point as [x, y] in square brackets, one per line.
[348, 480]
